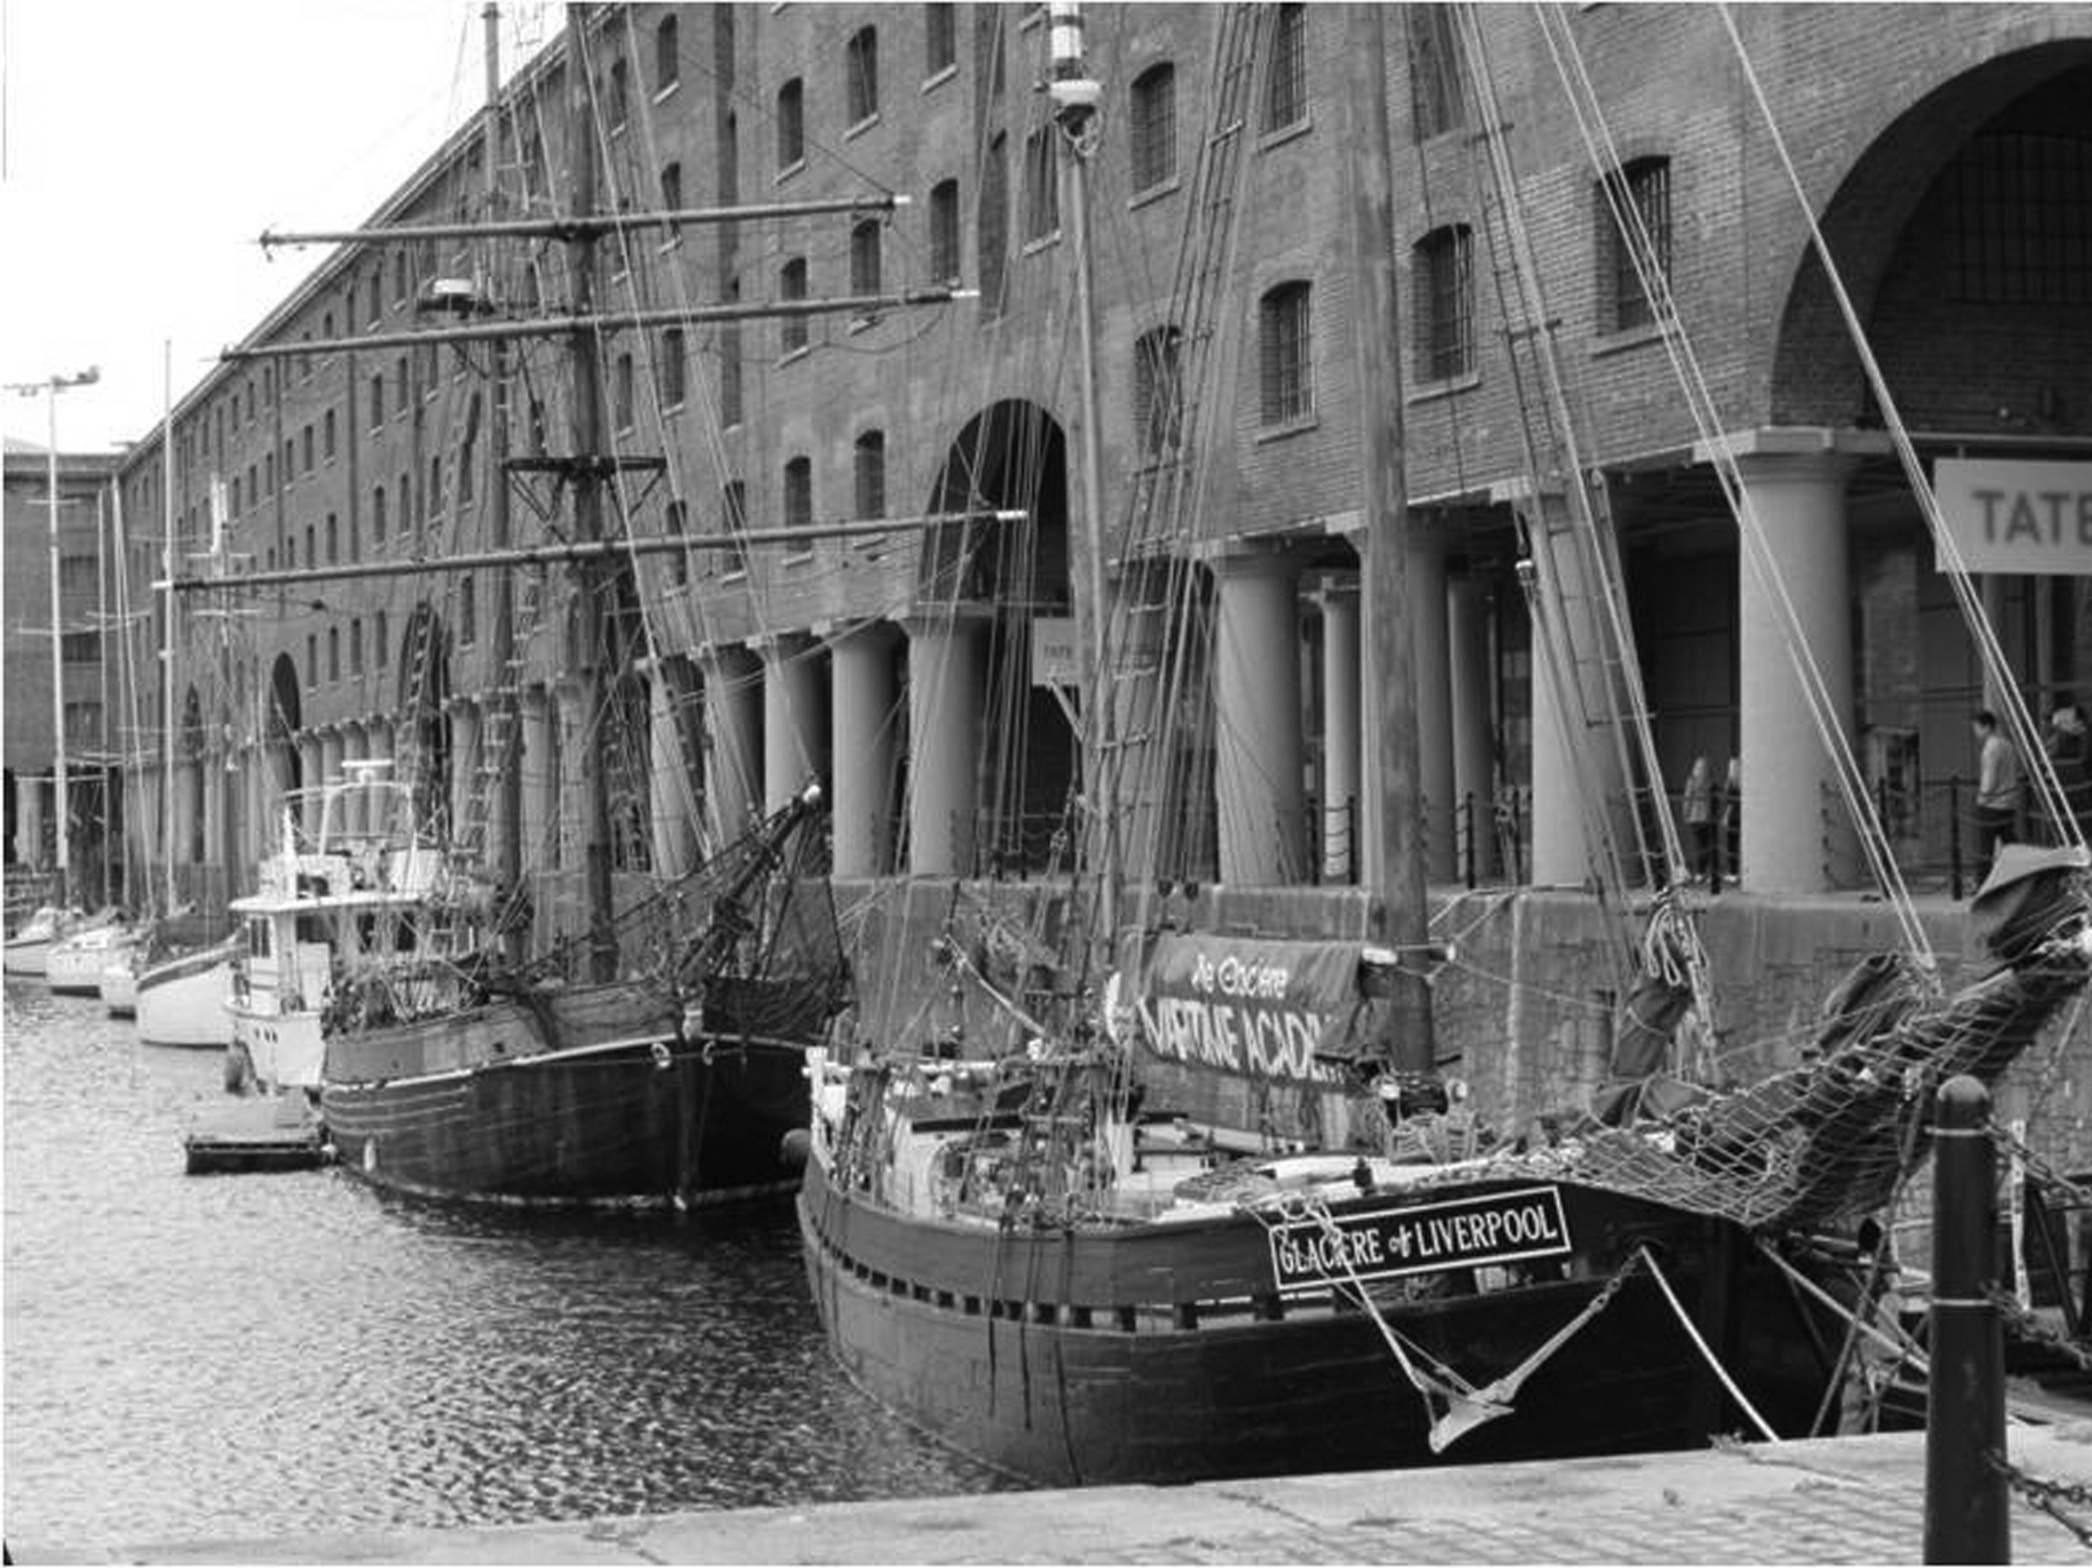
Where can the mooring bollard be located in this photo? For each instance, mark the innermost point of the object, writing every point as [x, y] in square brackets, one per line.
[1967, 1517]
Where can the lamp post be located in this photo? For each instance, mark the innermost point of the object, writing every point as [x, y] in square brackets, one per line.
[50, 388]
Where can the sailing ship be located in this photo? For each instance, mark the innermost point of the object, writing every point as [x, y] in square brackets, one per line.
[398, 966]
[1151, 1205]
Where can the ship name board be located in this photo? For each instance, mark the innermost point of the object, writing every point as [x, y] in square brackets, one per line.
[2022, 517]
[1419, 1238]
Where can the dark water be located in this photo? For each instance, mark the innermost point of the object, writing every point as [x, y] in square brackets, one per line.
[193, 1357]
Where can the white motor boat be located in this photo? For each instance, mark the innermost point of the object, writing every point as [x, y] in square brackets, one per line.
[28, 951]
[75, 963]
[181, 1000]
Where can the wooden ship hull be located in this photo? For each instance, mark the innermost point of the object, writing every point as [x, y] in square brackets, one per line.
[1161, 1352]
[590, 1098]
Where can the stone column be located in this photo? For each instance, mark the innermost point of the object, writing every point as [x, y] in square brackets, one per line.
[674, 791]
[1474, 766]
[733, 740]
[1576, 758]
[465, 730]
[795, 723]
[355, 747]
[1797, 835]
[947, 696]
[861, 707]
[1343, 801]
[539, 764]
[1257, 750]
[571, 730]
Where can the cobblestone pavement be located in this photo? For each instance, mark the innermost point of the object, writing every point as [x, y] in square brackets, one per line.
[1834, 1500]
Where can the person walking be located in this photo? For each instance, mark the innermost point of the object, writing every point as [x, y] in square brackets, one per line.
[2000, 789]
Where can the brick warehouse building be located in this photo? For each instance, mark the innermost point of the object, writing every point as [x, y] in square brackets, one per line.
[93, 690]
[1939, 147]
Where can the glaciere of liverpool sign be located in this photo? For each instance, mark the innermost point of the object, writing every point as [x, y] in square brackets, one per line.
[1419, 1238]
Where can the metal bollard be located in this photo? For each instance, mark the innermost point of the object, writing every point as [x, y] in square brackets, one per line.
[1967, 1500]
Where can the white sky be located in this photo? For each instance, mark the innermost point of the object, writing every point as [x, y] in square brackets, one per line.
[148, 143]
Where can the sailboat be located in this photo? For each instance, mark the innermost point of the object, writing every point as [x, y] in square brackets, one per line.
[1158, 1205]
[650, 1052]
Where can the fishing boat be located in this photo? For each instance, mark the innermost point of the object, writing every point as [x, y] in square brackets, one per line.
[1153, 1204]
[547, 1019]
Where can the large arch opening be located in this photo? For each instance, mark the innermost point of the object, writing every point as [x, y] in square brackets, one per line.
[1012, 456]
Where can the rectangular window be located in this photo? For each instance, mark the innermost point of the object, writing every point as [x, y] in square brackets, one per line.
[730, 374]
[993, 226]
[355, 647]
[672, 368]
[621, 393]
[668, 67]
[799, 493]
[864, 257]
[944, 232]
[468, 612]
[381, 650]
[1153, 138]
[791, 285]
[733, 523]
[791, 125]
[869, 473]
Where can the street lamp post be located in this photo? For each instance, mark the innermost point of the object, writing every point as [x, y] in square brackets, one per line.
[50, 388]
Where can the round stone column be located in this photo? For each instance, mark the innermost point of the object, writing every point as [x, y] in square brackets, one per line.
[947, 696]
[733, 740]
[795, 719]
[861, 707]
[1343, 803]
[1797, 835]
[1257, 747]
[674, 791]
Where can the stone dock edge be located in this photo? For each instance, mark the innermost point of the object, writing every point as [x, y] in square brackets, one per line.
[1826, 1500]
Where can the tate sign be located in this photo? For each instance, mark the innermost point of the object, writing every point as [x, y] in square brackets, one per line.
[2031, 518]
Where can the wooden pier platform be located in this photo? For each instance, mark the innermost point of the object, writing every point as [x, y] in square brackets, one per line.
[280, 1132]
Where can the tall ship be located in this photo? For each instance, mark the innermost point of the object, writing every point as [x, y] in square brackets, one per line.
[570, 1018]
[1145, 1202]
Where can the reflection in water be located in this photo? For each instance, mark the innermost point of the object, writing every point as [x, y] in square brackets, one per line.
[241, 1356]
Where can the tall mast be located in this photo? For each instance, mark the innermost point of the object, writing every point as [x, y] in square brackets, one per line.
[1385, 498]
[591, 581]
[1074, 97]
[508, 815]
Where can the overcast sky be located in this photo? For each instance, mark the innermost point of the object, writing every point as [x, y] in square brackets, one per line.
[147, 144]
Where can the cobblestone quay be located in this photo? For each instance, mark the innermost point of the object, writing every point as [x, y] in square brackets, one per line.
[1831, 1500]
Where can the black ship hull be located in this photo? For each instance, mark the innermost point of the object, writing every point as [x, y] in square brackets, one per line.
[1156, 1353]
[621, 1112]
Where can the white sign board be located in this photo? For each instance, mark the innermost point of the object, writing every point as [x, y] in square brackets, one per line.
[2017, 517]
[1053, 651]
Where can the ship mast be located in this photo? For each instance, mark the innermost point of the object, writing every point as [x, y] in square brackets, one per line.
[1074, 95]
[508, 815]
[1385, 506]
[593, 627]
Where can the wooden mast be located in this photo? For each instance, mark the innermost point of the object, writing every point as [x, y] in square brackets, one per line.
[508, 779]
[593, 626]
[1377, 341]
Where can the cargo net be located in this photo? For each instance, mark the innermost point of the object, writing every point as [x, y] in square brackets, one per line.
[1831, 1140]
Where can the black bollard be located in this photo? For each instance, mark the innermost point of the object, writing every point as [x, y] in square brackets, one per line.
[1967, 1501]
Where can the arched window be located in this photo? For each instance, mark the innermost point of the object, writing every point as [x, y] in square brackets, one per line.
[791, 284]
[672, 367]
[861, 74]
[377, 515]
[618, 93]
[791, 125]
[1284, 354]
[1445, 303]
[621, 393]
[667, 68]
[944, 230]
[1152, 143]
[1285, 81]
[868, 473]
[1158, 416]
[864, 257]
[1042, 188]
[671, 190]
[799, 493]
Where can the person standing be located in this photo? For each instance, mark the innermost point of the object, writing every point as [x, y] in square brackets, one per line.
[1697, 807]
[2000, 787]
[2070, 754]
